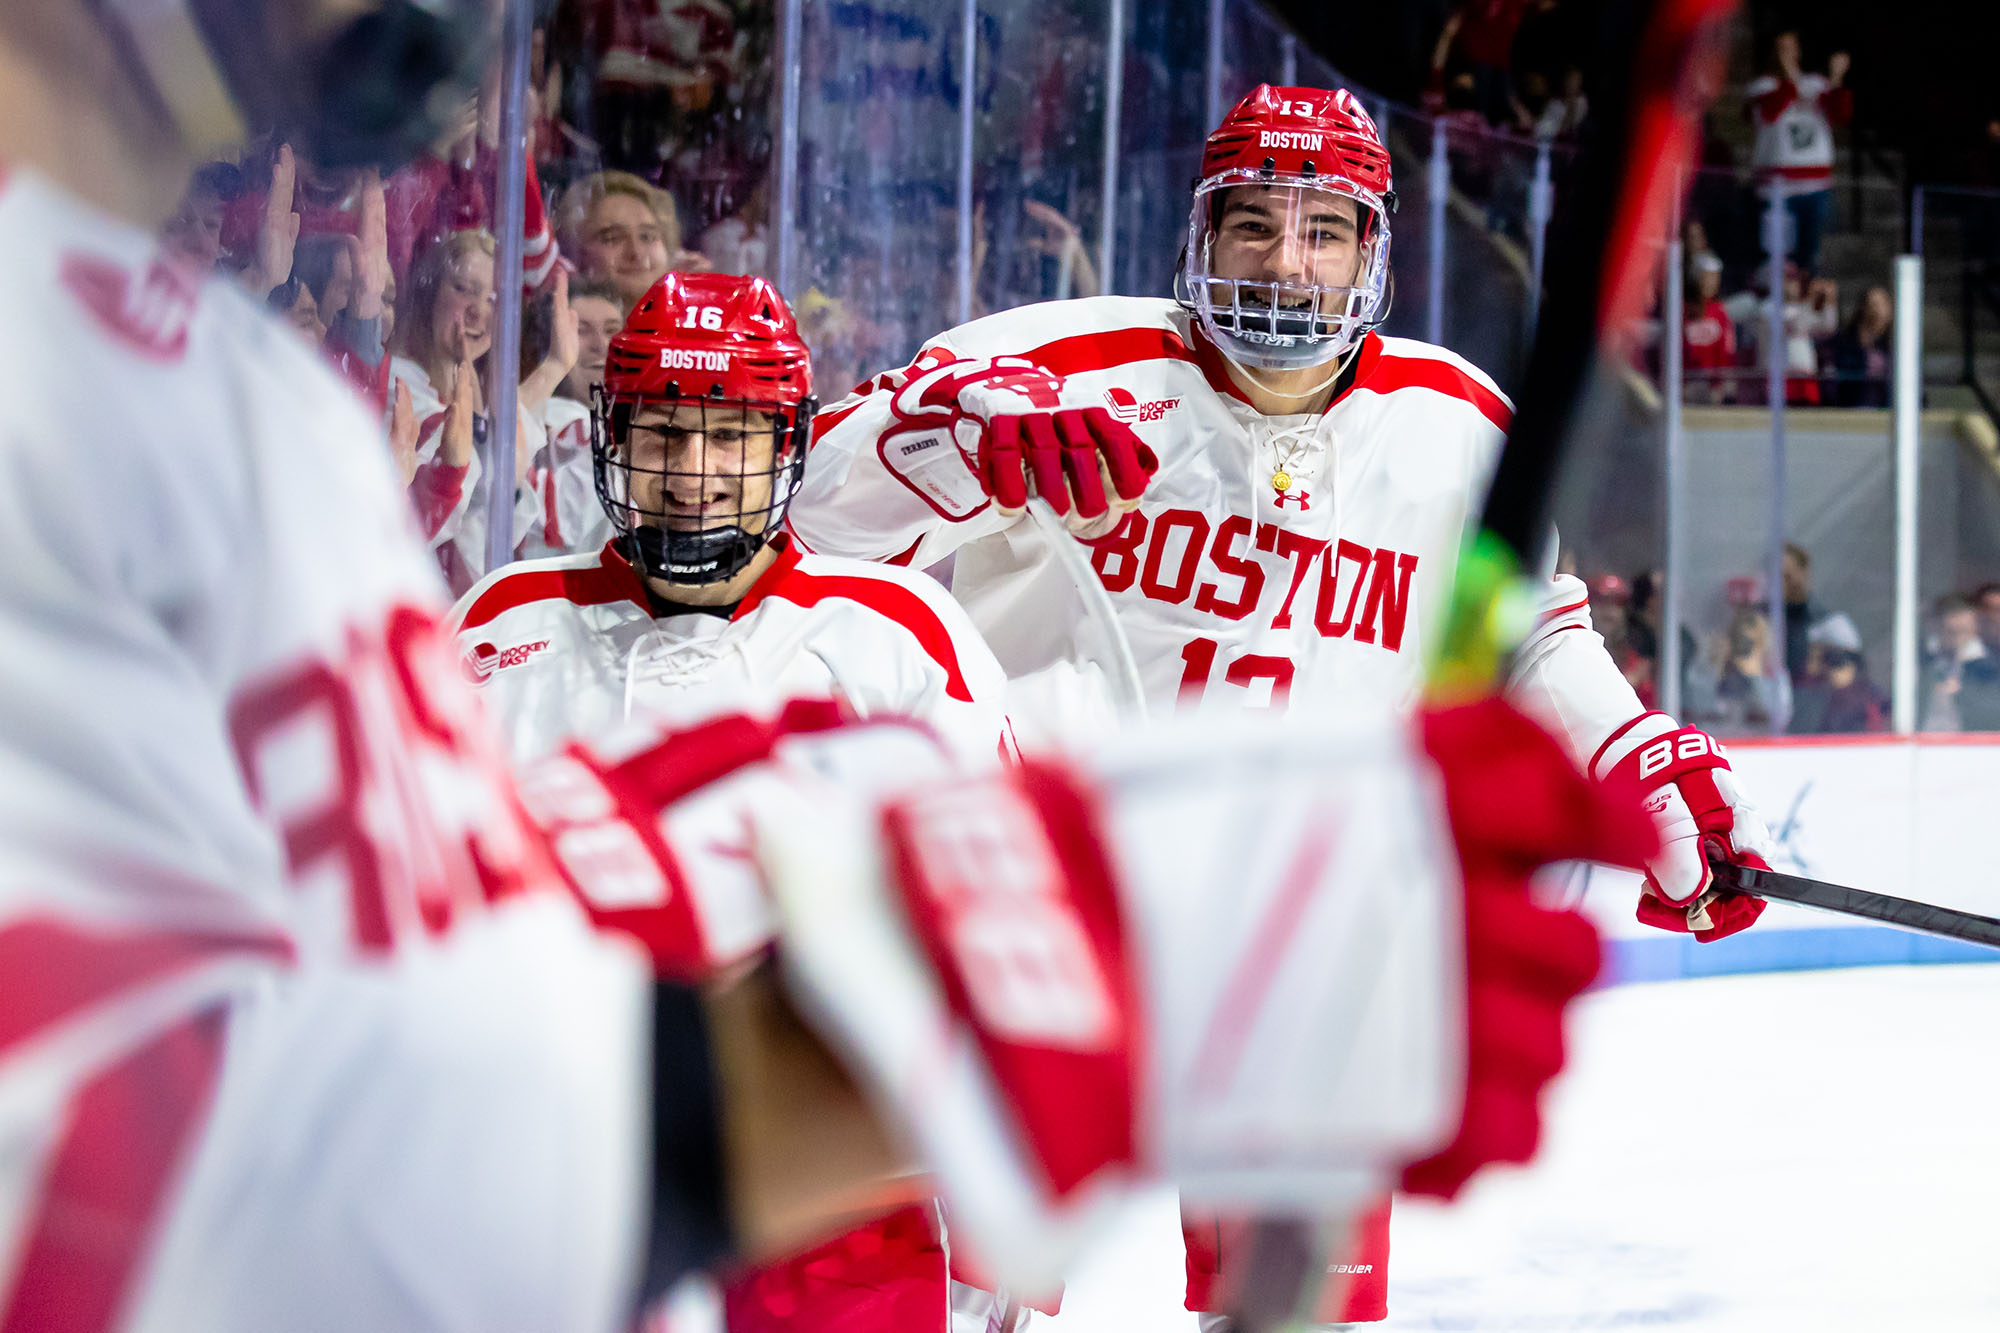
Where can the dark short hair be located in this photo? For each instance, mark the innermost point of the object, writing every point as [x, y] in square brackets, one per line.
[1798, 553]
[224, 180]
[1951, 604]
[593, 289]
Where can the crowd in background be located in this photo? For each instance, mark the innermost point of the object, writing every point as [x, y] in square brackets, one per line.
[651, 150]
[1813, 676]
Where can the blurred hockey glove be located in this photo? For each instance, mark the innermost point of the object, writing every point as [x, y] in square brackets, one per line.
[651, 827]
[1516, 803]
[1692, 795]
[974, 432]
[1038, 974]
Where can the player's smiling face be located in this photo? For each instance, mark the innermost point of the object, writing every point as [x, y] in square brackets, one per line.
[1284, 234]
[697, 466]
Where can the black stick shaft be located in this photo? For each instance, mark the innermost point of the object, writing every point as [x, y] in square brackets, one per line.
[1903, 913]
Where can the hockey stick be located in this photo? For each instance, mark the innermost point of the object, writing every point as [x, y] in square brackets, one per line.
[1902, 913]
[1128, 692]
[1633, 158]
[1671, 54]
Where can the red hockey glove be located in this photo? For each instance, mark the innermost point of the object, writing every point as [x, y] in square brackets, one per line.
[1517, 803]
[1691, 793]
[995, 431]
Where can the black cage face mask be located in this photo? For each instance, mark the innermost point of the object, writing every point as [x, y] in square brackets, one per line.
[697, 486]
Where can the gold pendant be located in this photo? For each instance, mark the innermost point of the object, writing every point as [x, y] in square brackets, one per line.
[1281, 481]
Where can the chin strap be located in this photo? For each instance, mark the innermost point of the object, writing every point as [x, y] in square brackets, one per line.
[161, 42]
[1341, 361]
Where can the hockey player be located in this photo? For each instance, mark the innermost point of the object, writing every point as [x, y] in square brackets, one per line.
[1295, 548]
[699, 437]
[300, 1026]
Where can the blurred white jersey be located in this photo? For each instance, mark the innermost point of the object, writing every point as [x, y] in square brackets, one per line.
[570, 647]
[262, 878]
[1301, 562]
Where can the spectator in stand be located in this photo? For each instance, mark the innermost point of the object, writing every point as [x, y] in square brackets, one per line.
[1708, 335]
[1834, 694]
[739, 242]
[270, 248]
[624, 232]
[193, 236]
[1961, 683]
[1478, 37]
[1811, 314]
[1859, 353]
[350, 276]
[1610, 606]
[1986, 601]
[1643, 613]
[1749, 693]
[1695, 248]
[445, 331]
[1795, 114]
[1802, 614]
[556, 509]
[441, 346]
[1562, 115]
[292, 301]
[599, 316]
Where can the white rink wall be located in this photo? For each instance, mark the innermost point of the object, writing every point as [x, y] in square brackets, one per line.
[1917, 817]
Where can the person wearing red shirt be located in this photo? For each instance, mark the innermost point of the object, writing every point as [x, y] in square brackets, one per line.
[1708, 335]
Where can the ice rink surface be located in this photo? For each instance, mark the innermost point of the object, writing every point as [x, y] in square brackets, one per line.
[1813, 1151]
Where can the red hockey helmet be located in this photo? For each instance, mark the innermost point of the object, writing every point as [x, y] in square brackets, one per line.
[700, 429]
[1298, 147]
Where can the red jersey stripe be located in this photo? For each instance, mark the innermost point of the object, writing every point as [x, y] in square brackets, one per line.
[1591, 768]
[1578, 605]
[1116, 347]
[610, 580]
[128, 1130]
[1391, 373]
[55, 969]
[788, 583]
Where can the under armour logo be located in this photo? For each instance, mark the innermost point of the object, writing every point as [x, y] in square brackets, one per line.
[1302, 498]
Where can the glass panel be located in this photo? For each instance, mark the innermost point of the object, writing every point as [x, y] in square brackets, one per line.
[1040, 148]
[1165, 123]
[1252, 50]
[1408, 136]
[876, 267]
[1958, 565]
[682, 100]
[393, 281]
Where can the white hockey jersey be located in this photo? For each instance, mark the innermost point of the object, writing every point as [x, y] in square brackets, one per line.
[570, 647]
[258, 859]
[1794, 122]
[1233, 592]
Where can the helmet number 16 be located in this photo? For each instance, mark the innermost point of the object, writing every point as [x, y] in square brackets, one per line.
[702, 317]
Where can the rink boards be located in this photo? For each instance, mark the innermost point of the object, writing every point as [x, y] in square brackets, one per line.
[1917, 817]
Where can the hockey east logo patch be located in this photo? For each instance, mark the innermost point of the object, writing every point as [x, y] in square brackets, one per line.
[1131, 411]
[481, 660]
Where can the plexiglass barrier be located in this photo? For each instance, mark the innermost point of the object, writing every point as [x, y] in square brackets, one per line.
[900, 166]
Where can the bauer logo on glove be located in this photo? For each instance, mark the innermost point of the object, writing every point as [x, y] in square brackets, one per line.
[1691, 793]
